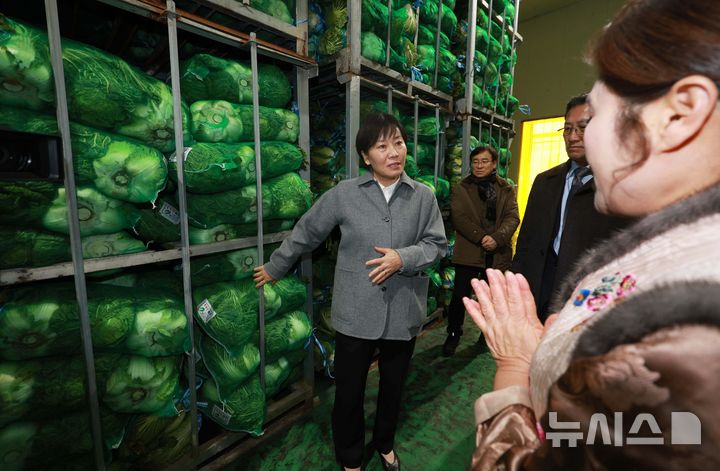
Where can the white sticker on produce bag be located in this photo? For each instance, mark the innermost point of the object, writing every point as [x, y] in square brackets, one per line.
[170, 213]
[186, 151]
[221, 415]
[205, 311]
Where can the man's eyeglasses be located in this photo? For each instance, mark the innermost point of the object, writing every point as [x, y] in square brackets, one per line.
[568, 129]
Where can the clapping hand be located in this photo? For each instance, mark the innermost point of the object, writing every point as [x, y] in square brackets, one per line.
[505, 312]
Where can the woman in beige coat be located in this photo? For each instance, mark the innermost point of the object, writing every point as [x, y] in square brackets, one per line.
[485, 215]
[626, 376]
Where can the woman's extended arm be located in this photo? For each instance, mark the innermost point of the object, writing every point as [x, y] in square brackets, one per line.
[312, 228]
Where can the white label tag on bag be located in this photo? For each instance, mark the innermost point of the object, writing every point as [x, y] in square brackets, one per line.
[205, 311]
[170, 213]
[221, 415]
[186, 151]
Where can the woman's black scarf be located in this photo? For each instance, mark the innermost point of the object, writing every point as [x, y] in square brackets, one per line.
[486, 191]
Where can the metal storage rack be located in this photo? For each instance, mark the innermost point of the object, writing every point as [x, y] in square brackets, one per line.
[353, 70]
[358, 73]
[468, 112]
[289, 45]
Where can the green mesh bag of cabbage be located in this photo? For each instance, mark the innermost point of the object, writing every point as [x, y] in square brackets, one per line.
[153, 442]
[227, 266]
[283, 197]
[222, 121]
[103, 91]
[228, 370]
[228, 311]
[287, 333]
[42, 320]
[38, 389]
[206, 77]
[161, 225]
[280, 372]
[43, 205]
[218, 167]
[243, 410]
[119, 167]
[441, 190]
[41, 444]
[427, 130]
[325, 160]
[373, 48]
[23, 248]
[425, 154]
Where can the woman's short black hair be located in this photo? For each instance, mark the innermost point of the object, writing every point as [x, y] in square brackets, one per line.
[480, 149]
[375, 127]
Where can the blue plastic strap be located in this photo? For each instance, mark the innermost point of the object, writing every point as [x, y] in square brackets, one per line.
[416, 73]
[185, 399]
[525, 109]
[323, 353]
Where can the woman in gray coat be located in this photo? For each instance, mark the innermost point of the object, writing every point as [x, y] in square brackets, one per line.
[391, 229]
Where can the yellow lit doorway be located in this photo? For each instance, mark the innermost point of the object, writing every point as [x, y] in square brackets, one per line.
[542, 147]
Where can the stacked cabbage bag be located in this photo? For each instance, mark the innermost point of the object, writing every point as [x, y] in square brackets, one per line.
[118, 167]
[407, 20]
[139, 336]
[121, 121]
[153, 442]
[103, 91]
[494, 59]
[32, 444]
[227, 303]
[219, 168]
[327, 151]
[33, 221]
[227, 314]
[428, 130]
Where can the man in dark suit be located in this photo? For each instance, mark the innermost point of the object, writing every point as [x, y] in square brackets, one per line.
[561, 221]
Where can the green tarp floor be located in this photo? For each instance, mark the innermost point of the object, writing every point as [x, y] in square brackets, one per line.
[436, 429]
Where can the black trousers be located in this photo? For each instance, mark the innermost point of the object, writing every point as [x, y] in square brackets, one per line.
[352, 361]
[456, 311]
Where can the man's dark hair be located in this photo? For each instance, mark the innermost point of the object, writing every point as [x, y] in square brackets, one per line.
[575, 101]
[375, 127]
[480, 149]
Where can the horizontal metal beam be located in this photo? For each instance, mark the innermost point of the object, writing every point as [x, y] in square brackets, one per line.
[212, 30]
[24, 275]
[256, 17]
[386, 76]
[399, 93]
[460, 107]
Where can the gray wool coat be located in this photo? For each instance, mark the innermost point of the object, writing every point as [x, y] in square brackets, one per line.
[410, 223]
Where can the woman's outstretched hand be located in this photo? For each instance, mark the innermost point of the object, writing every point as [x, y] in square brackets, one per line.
[505, 312]
[260, 276]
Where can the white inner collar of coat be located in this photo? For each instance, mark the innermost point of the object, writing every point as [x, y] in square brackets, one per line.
[388, 190]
